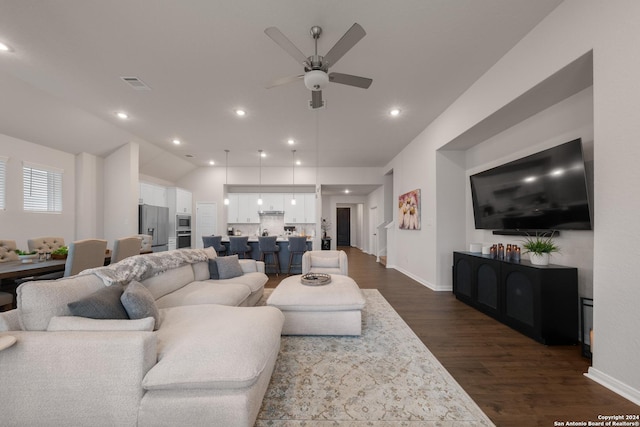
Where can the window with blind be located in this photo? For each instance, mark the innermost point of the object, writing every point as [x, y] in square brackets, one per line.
[42, 188]
[3, 181]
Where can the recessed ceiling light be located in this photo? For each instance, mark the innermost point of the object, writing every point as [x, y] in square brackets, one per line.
[240, 112]
[122, 115]
[177, 142]
[291, 141]
[4, 47]
[298, 162]
[394, 112]
[346, 191]
[211, 162]
[263, 154]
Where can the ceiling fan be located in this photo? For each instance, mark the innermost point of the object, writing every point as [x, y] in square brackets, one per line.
[316, 68]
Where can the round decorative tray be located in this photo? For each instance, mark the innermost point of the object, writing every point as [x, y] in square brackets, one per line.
[315, 279]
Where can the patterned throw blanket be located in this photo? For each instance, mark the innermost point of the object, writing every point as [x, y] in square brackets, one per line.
[141, 267]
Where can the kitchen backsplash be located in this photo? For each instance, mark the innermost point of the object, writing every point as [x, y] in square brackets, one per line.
[274, 224]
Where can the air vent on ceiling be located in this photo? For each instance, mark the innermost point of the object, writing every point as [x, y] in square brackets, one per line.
[136, 83]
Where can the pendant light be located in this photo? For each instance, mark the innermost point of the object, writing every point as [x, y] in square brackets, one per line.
[293, 175]
[260, 179]
[226, 176]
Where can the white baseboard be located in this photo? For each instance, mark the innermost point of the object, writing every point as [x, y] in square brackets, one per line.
[614, 385]
[422, 282]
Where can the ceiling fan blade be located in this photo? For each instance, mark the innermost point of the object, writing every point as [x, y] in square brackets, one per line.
[316, 99]
[282, 41]
[284, 80]
[348, 40]
[348, 79]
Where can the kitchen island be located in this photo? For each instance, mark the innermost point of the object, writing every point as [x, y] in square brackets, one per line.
[283, 255]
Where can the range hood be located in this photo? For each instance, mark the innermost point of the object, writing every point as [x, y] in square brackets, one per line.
[273, 213]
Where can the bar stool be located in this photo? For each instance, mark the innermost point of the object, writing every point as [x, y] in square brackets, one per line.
[297, 246]
[238, 245]
[216, 243]
[268, 246]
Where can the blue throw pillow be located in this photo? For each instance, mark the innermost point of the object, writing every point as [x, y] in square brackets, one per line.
[139, 302]
[229, 267]
[213, 269]
[102, 304]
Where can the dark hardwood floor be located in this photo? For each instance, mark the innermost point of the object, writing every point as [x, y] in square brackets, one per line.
[514, 379]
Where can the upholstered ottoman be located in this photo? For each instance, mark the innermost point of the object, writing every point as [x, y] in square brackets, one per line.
[332, 309]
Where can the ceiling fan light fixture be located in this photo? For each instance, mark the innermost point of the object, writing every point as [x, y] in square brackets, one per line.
[316, 80]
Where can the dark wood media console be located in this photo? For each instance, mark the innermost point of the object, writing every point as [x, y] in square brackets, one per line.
[539, 301]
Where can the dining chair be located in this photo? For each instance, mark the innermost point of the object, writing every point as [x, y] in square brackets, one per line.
[145, 243]
[216, 243]
[84, 254]
[269, 248]
[239, 245]
[8, 251]
[125, 247]
[297, 246]
[45, 244]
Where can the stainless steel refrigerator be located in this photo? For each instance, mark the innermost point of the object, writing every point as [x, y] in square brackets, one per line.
[154, 221]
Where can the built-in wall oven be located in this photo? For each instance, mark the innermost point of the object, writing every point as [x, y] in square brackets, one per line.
[183, 231]
[183, 239]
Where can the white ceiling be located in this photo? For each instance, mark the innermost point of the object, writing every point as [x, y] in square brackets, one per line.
[202, 59]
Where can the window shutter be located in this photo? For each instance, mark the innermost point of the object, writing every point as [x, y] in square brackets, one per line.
[42, 188]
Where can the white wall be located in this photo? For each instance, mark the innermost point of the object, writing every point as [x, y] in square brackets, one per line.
[15, 224]
[121, 193]
[89, 196]
[576, 27]
[565, 121]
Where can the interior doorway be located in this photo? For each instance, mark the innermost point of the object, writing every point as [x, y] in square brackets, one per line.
[343, 226]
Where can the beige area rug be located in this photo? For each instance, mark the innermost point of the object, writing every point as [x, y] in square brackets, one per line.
[386, 377]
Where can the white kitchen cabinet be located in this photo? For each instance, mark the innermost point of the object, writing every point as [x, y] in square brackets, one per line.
[233, 209]
[184, 201]
[243, 208]
[303, 212]
[272, 202]
[179, 201]
[172, 243]
[151, 194]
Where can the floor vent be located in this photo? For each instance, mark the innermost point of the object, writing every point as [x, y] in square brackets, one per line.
[136, 83]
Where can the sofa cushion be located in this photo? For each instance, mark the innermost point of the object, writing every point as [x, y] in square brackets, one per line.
[255, 281]
[102, 304]
[39, 301]
[214, 347]
[206, 292]
[201, 270]
[229, 267]
[169, 281]
[139, 302]
[213, 270]
[73, 323]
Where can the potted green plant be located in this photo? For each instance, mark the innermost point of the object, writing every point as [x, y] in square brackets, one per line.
[60, 253]
[540, 248]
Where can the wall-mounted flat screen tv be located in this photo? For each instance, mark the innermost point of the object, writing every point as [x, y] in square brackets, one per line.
[543, 191]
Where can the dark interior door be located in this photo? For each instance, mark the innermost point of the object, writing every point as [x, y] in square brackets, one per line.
[344, 226]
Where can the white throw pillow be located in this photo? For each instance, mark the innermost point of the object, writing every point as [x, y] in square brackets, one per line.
[75, 323]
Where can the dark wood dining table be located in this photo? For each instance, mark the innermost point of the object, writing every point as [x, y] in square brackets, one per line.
[12, 270]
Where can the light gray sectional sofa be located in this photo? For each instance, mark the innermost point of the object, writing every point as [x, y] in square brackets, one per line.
[208, 362]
